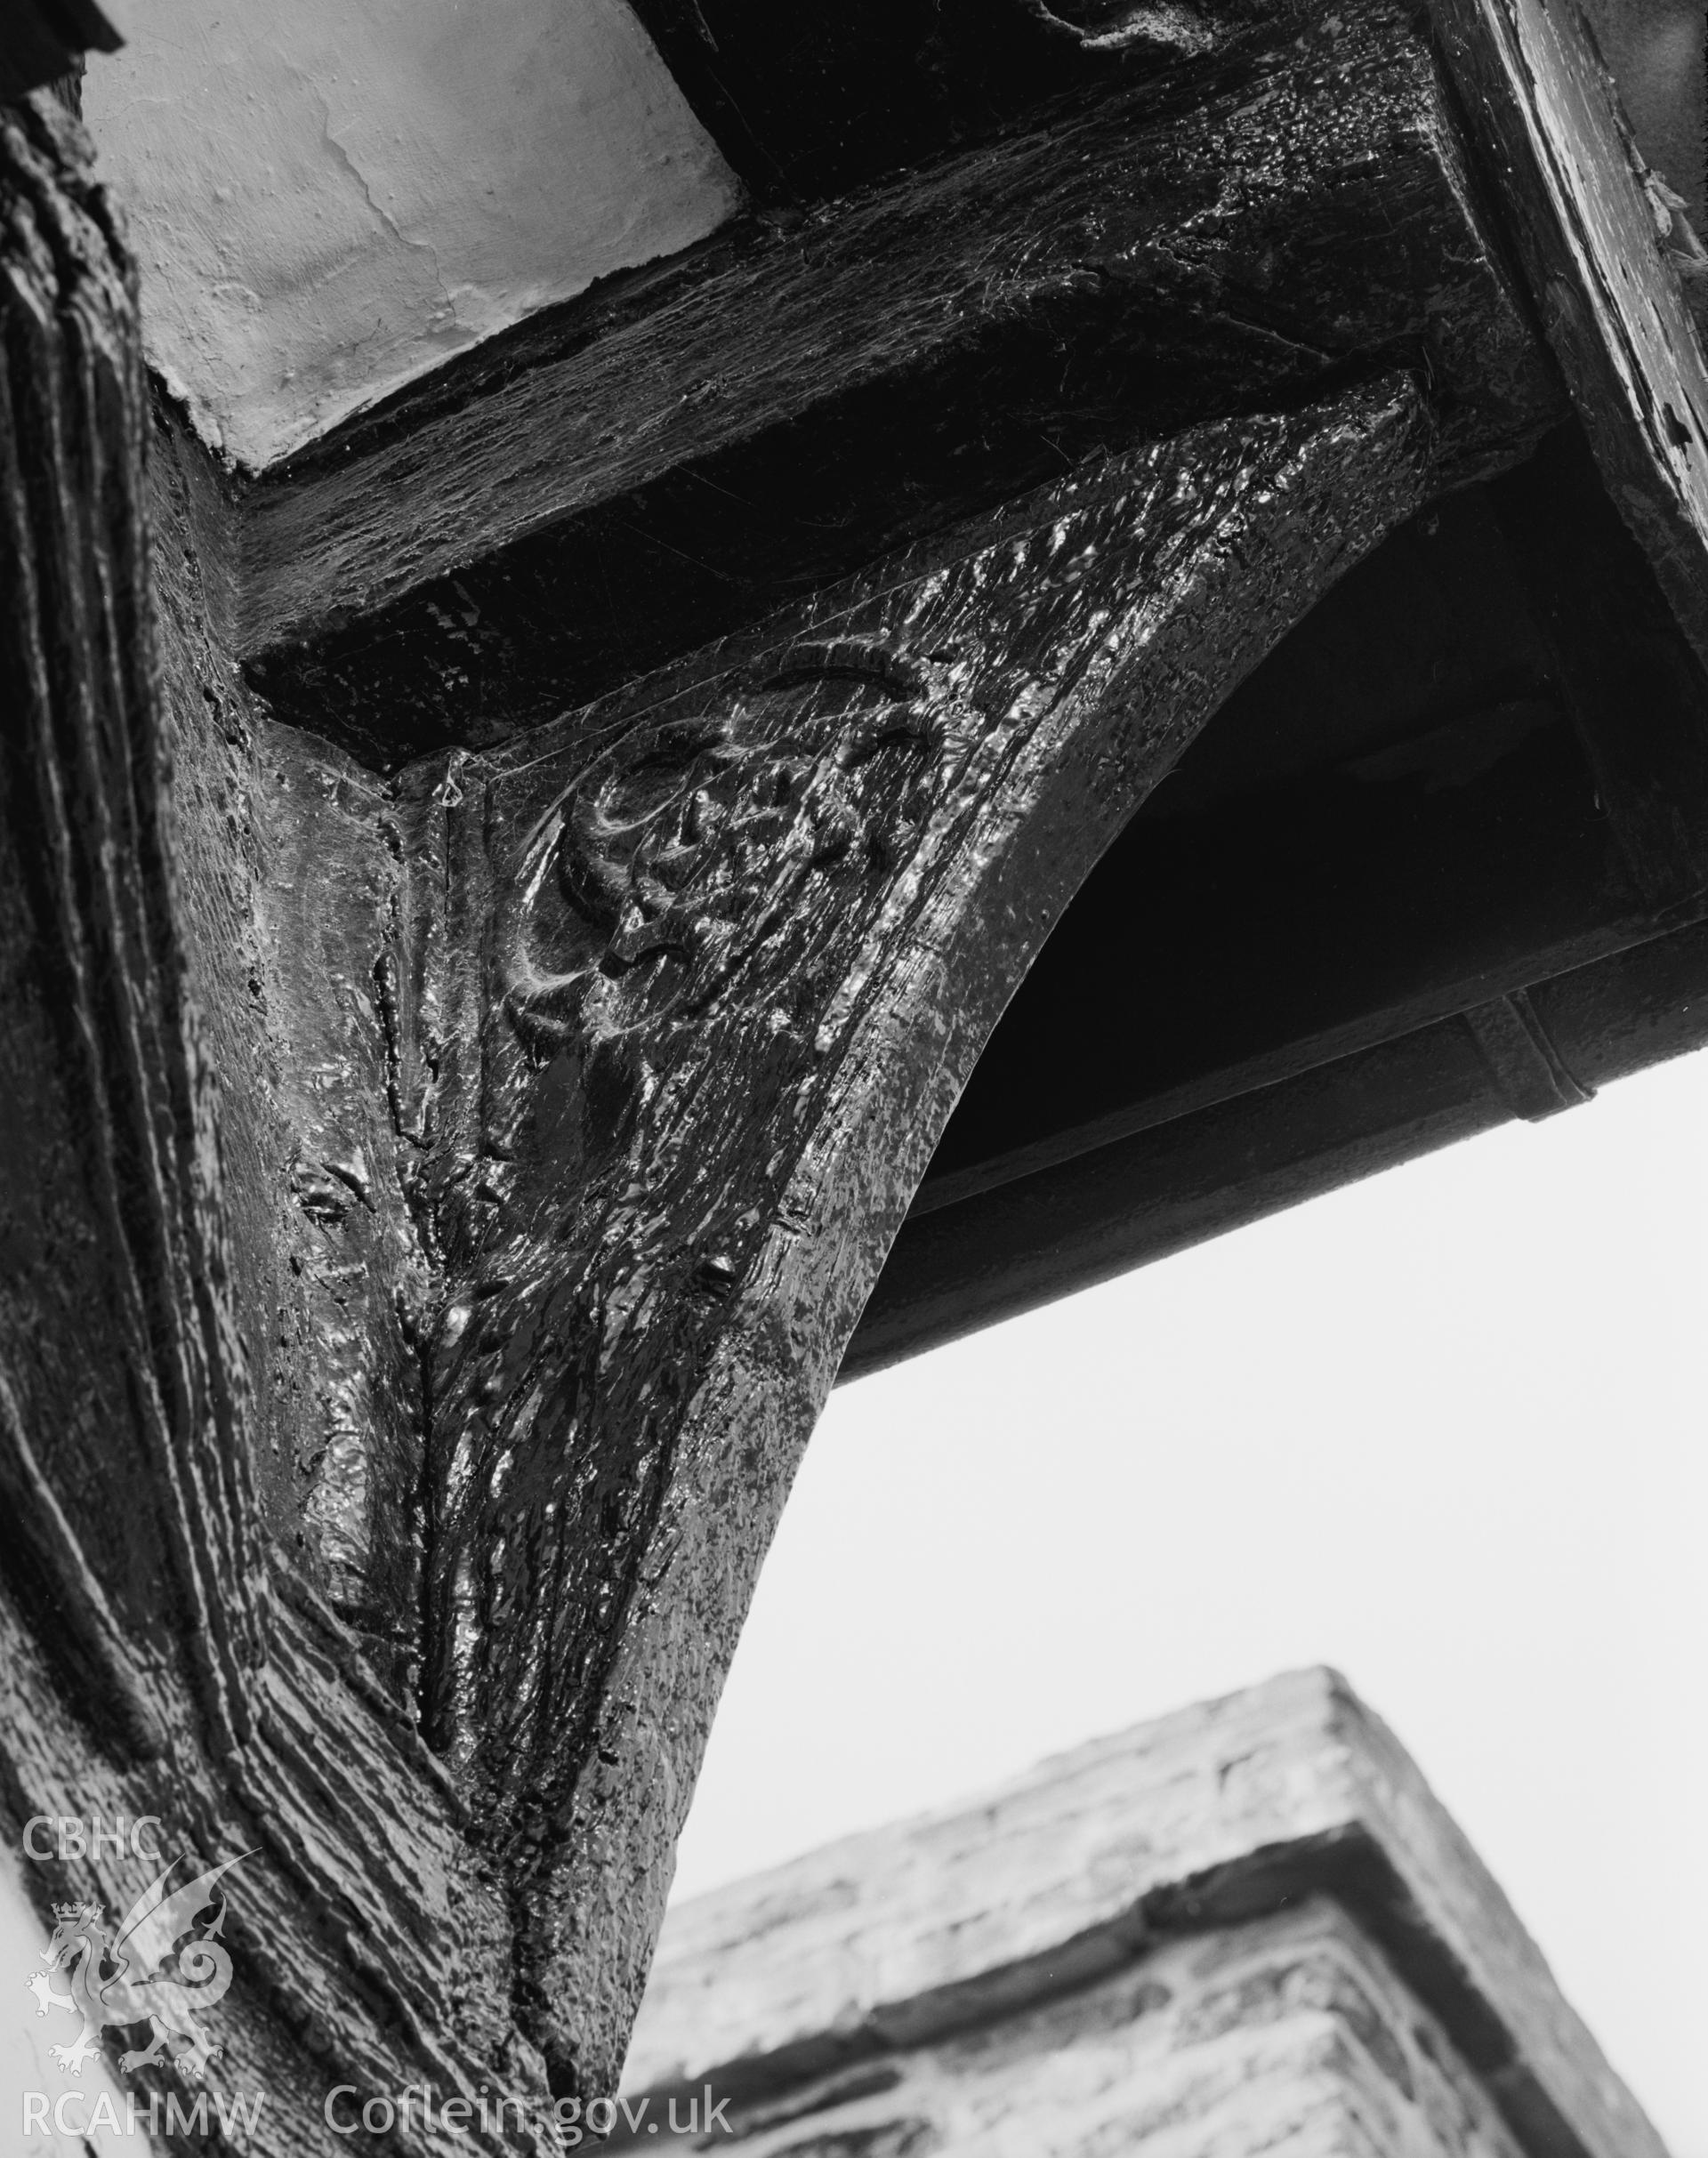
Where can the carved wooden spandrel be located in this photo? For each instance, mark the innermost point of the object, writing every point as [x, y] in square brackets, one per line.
[767, 415]
[478, 1172]
[700, 905]
[729, 944]
[520, 1141]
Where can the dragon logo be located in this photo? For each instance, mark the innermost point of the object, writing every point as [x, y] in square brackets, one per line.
[155, 1969]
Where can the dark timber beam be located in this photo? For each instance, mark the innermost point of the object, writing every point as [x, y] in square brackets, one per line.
[594, 494]
[484, 1172]
[1476, 767]
[808, 99]
[1327, 1121]
[1603, 260]
[494, 919]
[43, 41]
[750, 925]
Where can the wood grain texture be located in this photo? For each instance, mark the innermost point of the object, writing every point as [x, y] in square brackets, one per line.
[811, 100]
[1525, 814]
[160, 1650]
[1101, 1868]
[481, 1172]
[484, 1162]
[726, 433]
[743, 930]
[1232, 1161]
[1338, 888]
[108, 1072]
[1592, 232]
[1304, 1125]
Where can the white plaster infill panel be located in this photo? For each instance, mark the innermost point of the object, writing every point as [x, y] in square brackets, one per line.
[327, 199]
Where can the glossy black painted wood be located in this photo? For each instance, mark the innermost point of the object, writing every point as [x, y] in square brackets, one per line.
[720, 436]
[807, 98]
[435, 1208]
[484, 1110]
[42, 42]
[1024, 1243]
[1400, 812]
[1404, 813]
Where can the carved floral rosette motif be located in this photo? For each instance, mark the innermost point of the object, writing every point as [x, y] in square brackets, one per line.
[687, 847]
[686, 923]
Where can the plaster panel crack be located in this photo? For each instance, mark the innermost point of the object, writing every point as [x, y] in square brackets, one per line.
[387, 219]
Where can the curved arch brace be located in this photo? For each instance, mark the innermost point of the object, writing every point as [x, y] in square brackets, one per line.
[461, 1324]
[662, 1220]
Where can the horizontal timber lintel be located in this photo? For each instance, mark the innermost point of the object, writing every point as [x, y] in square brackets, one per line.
[1232, 1161]
[702, 442]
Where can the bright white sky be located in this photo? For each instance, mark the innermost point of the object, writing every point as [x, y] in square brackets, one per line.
[1443, 1429]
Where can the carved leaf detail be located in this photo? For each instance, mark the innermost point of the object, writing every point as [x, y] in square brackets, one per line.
[687, 845]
